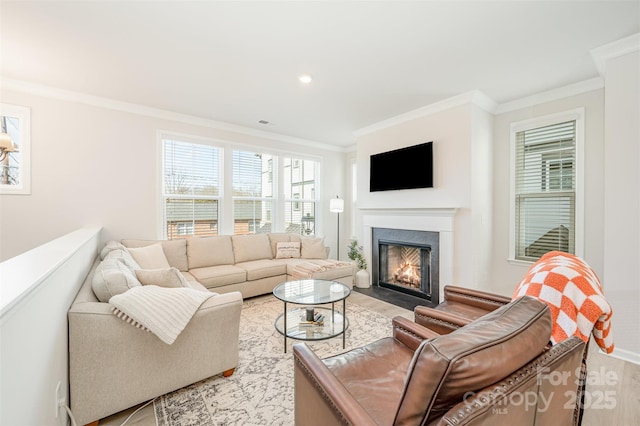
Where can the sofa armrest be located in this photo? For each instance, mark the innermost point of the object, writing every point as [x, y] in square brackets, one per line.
[319, 396]
[475, 298]
[409, 333]
[114, 365]
[439, 321]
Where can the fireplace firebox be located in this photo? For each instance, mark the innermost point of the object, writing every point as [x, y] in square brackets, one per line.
[407, 261]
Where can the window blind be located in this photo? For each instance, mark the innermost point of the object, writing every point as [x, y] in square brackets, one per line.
[545, 190]
[191, 189]
[252, 184]
[300, 195]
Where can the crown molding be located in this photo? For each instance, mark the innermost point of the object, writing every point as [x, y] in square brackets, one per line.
[552, 95]
[101, 102]
[474, 97]
[602, 54]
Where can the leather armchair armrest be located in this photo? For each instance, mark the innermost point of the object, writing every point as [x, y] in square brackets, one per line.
[411, 334]
[476, 298]
[320, 398]
[439, 321]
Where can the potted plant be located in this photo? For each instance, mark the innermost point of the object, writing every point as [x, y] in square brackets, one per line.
[355, 254]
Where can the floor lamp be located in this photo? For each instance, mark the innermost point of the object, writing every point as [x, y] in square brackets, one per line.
[336, 205]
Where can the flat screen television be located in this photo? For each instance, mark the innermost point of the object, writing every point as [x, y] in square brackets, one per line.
[404, 168]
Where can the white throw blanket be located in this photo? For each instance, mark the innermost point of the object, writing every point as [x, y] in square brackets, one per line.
[163, 311]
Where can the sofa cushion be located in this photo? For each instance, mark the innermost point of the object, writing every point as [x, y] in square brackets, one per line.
[109, 246]
[384, 359]
[124, 256]
[287, 250]
[295, 238]
[170, 277]
[251, 247]
[218, 276]
[313, 248]
[197, 286]
[191, 280]
[275, 238]
[112, 277]
[150, 257]
[262, 268]
[483, 352]
[209, 251]
[174, 250]
[327, 269]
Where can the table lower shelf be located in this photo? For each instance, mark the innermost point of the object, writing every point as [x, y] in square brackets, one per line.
[297, 328]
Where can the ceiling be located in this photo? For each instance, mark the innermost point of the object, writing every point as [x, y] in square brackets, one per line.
[238, 62]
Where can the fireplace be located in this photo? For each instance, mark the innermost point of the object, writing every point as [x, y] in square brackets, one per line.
[406, 261]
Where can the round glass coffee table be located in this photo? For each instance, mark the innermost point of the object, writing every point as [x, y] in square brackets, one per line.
[309, 321]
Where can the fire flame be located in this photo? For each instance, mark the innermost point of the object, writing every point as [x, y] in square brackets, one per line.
[405, 274]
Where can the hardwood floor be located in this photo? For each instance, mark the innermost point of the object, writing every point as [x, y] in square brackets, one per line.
[613, 389]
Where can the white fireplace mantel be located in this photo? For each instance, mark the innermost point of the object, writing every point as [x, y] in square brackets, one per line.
[439, 220]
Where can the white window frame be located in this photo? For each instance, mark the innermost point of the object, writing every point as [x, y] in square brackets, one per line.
[273, 200]
[161, 216]
[225, 199]
[300, 200]
[23, 114]
[189, 228]
[534, 123]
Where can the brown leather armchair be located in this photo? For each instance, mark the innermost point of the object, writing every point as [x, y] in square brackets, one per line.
[460, 306]
[496, 370]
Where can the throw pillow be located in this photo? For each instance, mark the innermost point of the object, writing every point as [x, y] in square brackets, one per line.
[150, 257]
[174, 250]
[313, 248]
[275, 238]
[112, 277]
[169, 278]
[287, 250]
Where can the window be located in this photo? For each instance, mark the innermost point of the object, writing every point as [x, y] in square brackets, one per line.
[546, 210]
[209, 190]
[252, 192]
[300, 195]
[191, 189]
[14, 149]
[185, 228]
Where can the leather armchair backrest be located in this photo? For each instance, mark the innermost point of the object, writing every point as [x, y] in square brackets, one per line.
[481, 353]
[543, 392]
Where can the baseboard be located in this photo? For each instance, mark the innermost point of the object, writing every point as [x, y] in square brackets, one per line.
[624, 355]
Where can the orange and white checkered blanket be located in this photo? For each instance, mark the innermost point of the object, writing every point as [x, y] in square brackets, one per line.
[574, 294]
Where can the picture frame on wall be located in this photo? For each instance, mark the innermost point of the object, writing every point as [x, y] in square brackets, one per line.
[15, 149]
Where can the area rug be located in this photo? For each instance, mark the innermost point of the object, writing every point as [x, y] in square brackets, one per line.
[260, 391]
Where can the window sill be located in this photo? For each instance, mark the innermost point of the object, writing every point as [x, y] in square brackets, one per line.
[520, 262]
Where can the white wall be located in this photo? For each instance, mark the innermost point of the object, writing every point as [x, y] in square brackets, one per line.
[450, 131]
[622, 201]
[92, 164]
[461, 138]
[506, 275]
[481, 195]
[34, 328]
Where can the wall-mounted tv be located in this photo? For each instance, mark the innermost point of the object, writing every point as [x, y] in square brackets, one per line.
[404, 168]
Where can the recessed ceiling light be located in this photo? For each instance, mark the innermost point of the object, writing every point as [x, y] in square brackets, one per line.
[305, 78]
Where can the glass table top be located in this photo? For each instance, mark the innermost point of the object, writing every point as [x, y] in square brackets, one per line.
[311, 292]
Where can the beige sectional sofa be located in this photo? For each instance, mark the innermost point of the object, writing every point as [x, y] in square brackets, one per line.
[113, 365]
[249, 263]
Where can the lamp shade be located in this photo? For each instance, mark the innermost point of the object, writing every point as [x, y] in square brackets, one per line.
[336, 205]
[6, 144]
